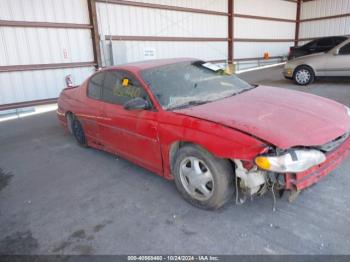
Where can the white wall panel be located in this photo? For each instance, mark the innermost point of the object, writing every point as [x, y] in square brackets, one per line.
[138, 21]
[328, 27]
[29, 45]
[59, 11]
[270, 8]
[253, 28]
[21, 46]
[40, 84]
[320, 8]
[263, 29]
[130, 51]
[213, 5]
[248, 50]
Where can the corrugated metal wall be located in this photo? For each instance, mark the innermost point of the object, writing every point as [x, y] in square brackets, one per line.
[201, 31]
[34, 45]
[327, 27]
[216, 5]
[119, 20]
[264, 29]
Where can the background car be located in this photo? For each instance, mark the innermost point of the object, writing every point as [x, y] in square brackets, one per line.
[335, 62]
[323, 44]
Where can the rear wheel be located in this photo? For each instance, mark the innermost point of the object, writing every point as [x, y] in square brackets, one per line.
[78, 132]
[203, 179]
[304, 75]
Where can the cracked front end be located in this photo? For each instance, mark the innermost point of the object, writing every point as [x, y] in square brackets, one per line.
[294, 169]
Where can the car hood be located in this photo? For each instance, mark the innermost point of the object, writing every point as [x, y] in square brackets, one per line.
[281, 117]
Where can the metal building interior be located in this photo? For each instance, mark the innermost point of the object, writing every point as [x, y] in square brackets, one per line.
[58, 198]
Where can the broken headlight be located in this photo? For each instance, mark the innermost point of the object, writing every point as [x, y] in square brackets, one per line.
[293, 161]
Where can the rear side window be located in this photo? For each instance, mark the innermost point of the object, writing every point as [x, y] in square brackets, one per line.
[345, 50]
[95, 85]
[310, 44]
[119, 87]
[325, 42]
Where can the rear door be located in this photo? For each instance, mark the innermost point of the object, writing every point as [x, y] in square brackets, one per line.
[130, 133]
[338, 64]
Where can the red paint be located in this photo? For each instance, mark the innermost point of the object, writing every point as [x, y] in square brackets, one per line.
[239, 127]
[284, 118]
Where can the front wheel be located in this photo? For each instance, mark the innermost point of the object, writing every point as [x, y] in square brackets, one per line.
[203, 180]
[304, 75]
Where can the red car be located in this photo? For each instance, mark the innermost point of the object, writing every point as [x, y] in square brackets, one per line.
[211, 132]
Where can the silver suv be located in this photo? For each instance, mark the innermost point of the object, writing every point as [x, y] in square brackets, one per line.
[336, 62]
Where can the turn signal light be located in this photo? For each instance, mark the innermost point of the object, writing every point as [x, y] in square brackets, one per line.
[262, 162]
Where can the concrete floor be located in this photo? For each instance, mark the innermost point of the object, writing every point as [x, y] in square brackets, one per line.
[59, 198]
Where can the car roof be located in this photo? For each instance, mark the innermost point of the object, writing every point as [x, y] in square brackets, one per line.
[333, 36]
[147, 64]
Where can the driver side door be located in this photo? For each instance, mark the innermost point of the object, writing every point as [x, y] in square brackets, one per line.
[132, 134]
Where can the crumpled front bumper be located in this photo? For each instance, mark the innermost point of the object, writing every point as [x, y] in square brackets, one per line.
[311, 176]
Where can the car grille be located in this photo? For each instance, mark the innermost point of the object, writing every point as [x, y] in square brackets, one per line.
[333, 144]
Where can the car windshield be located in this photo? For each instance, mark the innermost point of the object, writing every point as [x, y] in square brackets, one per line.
[191, 83]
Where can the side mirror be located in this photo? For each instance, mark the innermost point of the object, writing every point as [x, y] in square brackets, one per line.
[336, 52]
[137, 103]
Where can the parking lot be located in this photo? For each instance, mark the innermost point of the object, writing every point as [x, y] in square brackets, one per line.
[59, 198]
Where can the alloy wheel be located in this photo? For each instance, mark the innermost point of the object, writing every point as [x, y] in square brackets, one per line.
[303, 76]
[196, 178]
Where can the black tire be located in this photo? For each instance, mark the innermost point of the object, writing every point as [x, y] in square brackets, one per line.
[303, 75]
[222, 186]
[78, 132]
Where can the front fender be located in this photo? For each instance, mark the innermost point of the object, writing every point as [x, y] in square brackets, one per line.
[221, 141]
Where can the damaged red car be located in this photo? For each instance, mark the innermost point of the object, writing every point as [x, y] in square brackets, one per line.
[214, 134]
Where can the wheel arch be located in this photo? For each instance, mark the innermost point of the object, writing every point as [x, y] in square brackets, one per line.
[175, 147]
[304, 65]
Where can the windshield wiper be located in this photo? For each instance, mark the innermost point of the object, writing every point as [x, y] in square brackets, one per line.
[243, 90]
[190, 103]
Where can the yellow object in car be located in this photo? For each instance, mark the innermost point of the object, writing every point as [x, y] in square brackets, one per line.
[125, 82]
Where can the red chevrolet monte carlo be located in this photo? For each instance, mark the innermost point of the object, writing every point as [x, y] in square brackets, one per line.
[211, 132]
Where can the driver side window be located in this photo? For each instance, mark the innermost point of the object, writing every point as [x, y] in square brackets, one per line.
[119, 87]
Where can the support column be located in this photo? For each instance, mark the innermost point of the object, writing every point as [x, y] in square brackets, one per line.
[297, 24]
[230, 32]
[94, 32]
